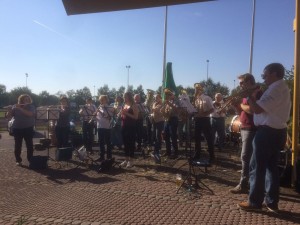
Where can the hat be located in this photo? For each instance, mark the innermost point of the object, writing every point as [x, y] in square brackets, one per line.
[167, 91]
[198, 87]
[150, 91]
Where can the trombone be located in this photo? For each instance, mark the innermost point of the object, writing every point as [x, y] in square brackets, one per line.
[236, 96]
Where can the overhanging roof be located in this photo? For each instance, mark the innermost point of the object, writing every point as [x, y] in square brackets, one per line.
[74, 7]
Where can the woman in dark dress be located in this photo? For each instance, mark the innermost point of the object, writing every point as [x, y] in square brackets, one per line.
[129, 115]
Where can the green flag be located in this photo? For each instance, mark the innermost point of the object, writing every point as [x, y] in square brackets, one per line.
[169, 80]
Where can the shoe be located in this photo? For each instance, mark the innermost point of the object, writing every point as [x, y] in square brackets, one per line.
[212, 159]
[165, 154]
[157, 159]
[129, 164]
[123, 164]
[100, 159]
[19, 163]
[238, 190]
[247, 207]
[270, 208]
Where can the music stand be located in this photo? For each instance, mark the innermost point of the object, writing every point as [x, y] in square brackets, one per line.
[191, 173]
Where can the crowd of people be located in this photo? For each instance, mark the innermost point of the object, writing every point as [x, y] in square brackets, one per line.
[263, 117]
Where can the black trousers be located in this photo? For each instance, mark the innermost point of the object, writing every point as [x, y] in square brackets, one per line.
[170, 131]
[203, 125]
[27, 135]
[88, 135]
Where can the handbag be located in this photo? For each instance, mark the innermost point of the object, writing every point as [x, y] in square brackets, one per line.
[10, 126]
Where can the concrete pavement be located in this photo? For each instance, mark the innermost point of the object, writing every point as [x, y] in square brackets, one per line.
[144, 194]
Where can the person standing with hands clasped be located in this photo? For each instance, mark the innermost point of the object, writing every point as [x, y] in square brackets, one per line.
[129, 115]
[248, 129]
[23, 127]
[271, 113]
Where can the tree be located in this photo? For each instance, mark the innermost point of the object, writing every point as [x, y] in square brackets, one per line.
[2, 89]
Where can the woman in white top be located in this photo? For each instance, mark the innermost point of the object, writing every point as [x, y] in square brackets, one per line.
[103, 118]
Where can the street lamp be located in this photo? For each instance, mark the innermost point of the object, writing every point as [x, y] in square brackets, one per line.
[94, 94]
[233, 84]
[207, 62]
[128, 67]
[26, 74]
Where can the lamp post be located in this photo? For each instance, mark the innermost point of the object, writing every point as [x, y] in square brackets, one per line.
[252, 37]
[128, 67]
[26, 74]
[94, 94]
[207, 63]
[233, 84]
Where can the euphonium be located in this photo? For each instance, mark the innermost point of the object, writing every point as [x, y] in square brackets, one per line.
[166, 110]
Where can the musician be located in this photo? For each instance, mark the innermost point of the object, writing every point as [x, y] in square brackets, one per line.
[116, 134]
[217, 119]
[23, 127]
[204, 106]
[186, 111]
[140, 132]
[170, 113]
[158, 126]
[271, 113]
[129, 115]
[248, 130]
[150, 126]
[104, 116]
[87, 112]
[62, 128]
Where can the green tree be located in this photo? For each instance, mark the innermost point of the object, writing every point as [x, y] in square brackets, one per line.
[2, 89]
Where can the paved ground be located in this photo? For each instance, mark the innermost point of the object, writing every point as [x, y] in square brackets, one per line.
[144, 194]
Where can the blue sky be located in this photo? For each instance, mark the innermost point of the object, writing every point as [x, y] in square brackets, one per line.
[61, 53]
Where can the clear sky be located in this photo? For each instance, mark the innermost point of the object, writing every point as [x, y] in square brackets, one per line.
[61, 53]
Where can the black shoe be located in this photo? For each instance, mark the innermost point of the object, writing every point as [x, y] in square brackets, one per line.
[165, 154]
[100, 159]
[211, 159]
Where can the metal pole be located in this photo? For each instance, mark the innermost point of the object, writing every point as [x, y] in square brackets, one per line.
[295, 125]
[164, 49]
[26, 74]
[252, 37]
[207, 62]
[128, 67]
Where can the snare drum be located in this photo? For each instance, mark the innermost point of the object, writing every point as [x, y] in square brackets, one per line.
[235, 126]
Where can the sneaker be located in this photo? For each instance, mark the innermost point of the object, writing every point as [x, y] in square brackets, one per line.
[247, 207]
[129, 164]
[270, 208]
[238, 190]
[19, 163]
[123, 164]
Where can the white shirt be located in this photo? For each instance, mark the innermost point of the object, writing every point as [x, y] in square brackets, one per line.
[203, 103]
[276, 103]
[104, 116]
[217, 114]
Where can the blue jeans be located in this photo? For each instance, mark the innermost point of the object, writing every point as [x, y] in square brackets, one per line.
[246, 153]
[264, 174]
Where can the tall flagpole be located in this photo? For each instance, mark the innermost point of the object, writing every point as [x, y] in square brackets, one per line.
[165, 47]
[252, 37]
